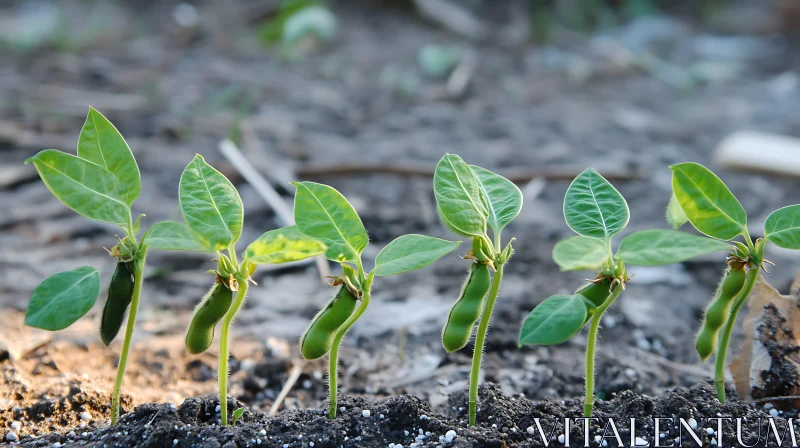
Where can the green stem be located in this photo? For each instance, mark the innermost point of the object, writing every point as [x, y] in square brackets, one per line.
[222, 370]
[725, 336]
[138, 274]
[337, 341]
[588, 402]
[480, 341]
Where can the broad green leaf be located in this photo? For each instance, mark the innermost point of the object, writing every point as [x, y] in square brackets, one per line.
[410, 252]
[63, 298]
[458, 197]
[175, 236]
[282, 246]
[210, 204]
[323, 213]
[659, 246]
[102, 144]
[554, 321]
[503, 198]
[707, 202]
[783, 227]
[675, 215]
[593, 207]
[580, 253]
[84, 187]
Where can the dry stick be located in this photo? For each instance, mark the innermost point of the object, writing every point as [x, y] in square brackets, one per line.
[523, 175]
[294, 375]
[265, 190]
[768, 399]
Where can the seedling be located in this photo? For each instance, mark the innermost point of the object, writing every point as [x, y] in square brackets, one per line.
[596, 211]
[100, 183]
[214, 218]
[701, 198]
[470, 200]
[324, 214]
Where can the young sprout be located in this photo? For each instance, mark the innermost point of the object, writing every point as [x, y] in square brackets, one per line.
[471, 199]
[701, 198]
[596, 211]
[324, 214]
[100, 183]
[214, 217]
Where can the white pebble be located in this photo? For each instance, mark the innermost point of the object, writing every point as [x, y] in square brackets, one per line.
[365, 413]
[310, 443]
[710, 431]
[11, 437]
[597, 439]
[218, 408]
[16, 426]
[494, 425]
[56, 445]
[714, 441]
[174, 442]
[423, 417]
[693, 423]
[640, 442]
[85, 416]
[263, 432]
[532, 431]
[450, 435]
[773, 412]
[561, 438]
[341, 409]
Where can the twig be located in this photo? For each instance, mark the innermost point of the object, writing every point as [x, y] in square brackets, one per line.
[452, 17]
[265, 190]
[410, 169]
[294, 375]
[768, 399]
[459, 79]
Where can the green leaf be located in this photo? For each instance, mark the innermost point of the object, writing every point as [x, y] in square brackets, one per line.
[282, 246]
[659, 246]
[102, 144]
[675, 215]
[458, 197]
[210, 204]
[410, 252]
[175, 236]
[554, 321]
[82, 186]
[63, 298]
[593, 207]
[783, 227]
[707, 202]
[323, 213]
[237, 414]
[580, 253]
[503, 198]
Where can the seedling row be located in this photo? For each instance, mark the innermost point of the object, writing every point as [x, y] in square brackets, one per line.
[102, 183]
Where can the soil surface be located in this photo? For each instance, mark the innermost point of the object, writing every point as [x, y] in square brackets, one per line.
[545, 111]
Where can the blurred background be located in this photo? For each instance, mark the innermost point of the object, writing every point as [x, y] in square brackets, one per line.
[367, 96]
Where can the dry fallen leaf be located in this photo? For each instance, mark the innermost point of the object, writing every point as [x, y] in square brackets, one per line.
[768, 364]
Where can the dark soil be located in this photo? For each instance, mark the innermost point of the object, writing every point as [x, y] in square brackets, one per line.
[406, 420]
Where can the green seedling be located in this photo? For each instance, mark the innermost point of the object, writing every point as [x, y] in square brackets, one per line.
[322, 213]
[596, 211]
[100, 183]
[701, 198]
[472, 200]
[214, 217]
[237, 414]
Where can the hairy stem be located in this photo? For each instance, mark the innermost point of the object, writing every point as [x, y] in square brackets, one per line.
[725, 336]
[222, 370]
[480, 340]
[337, 341]
[588, 402]
[138, 274]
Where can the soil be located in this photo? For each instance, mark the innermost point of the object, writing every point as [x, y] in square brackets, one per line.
[552, 108]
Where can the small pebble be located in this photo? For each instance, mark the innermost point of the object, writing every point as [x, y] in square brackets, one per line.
[710, 431]
[773, 412]
[365, 413]
[532, 431]
[561, 438]
[310, 443]
[85, 416]
[11, 437]
[174, 442]
[56, 445]
[450, 435]
[693, 423]
[16, 426]
[263, 432]
[218, 408]
[640, 442]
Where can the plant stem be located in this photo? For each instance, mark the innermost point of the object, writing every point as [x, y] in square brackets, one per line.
[138, 274]
[725, 336]
[480, 341]
[588, 402]
[337, 341]
[222, 370]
